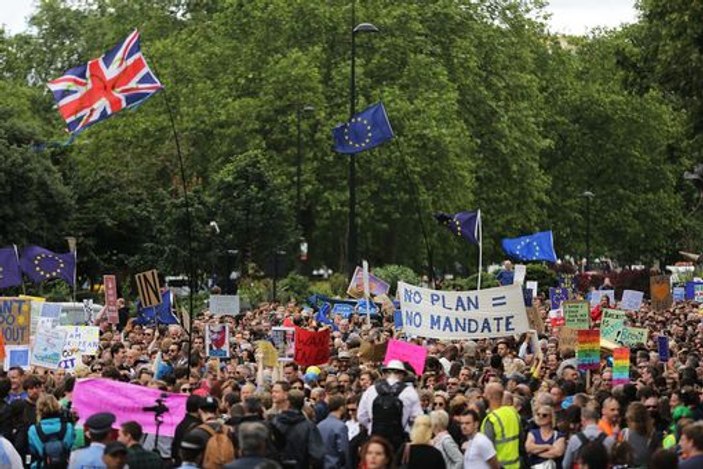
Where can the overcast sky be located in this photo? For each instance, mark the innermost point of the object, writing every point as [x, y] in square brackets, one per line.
[568, 16]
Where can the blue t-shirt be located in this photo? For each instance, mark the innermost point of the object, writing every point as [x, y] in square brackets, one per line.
[505, 277]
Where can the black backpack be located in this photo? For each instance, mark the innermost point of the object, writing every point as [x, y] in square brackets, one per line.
[585, 441]
[54, 454]
[387, 413]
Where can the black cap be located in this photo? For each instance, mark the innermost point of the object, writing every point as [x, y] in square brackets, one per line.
[209, 404]
[100, 423]
[115, 447]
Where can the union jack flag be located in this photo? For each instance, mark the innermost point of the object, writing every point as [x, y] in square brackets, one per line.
[95, 91]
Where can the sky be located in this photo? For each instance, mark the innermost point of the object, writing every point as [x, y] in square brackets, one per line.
[568, 16]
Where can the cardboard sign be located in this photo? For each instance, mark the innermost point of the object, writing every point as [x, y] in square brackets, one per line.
[83, 339]
[373, 352]
[621, 366]
[283, 339]
[110, 283]
[406, 352]
[224, 304]
[631, 300]
[577, 314]
[217, 340]
[588, 350]
[660, 292]
[568, 338]
[149, 288]
[663, 348]
[15, 320]
[596, 296]
[376, 285]
[631, 336]
[312, 347]
[612, 324]
[535, 320]
[48, 348]
[269, 352]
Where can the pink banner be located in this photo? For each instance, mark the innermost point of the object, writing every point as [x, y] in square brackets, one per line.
[126, 401]
[405, 352]
[110, 283]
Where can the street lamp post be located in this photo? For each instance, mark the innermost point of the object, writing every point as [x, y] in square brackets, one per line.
[276, 254]
[299, 162]
[588, 195]
[352, 251]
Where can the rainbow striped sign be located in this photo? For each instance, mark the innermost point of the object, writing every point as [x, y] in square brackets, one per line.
[588, 351]
[621, 366]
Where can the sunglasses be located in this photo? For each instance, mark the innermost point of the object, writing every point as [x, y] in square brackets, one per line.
[185, 389]
[351, 409]
[439, 404]
[544, 415]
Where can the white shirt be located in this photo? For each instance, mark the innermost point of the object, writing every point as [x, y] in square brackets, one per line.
[9, 457]
[409, 398]
[479, 449]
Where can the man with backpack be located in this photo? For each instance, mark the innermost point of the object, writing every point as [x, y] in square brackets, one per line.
[389, 407]
[296, 438]
[219, 448]
[589, 432]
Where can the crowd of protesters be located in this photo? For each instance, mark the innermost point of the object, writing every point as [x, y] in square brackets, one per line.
[511, 402]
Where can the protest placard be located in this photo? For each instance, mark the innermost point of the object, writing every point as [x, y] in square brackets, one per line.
[596, 296]
[46, 323]
[149, 288]
[127, 401]
[621, 366]
[576, 314]
[660, 292]
[16, 356]
[110, 284]
[679, 294]
[588, 349]
[557, 296]
[15, 320]
[532, 285]
[612, 324]
[48, 348]
[373, 352]
[520, 274]
[631, 300]
[376, 285]
[270, 357]
[535, 320]
[631, 336]
[449, 315]
[284, 340]
[35, 306]
[568, 339]
[224, 304]
[415, 355]
[80, 340]
[663, 348]
[556, 317]
[217, 340]
[312, 347]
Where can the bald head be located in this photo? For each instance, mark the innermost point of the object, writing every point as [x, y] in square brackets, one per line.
[494, 394]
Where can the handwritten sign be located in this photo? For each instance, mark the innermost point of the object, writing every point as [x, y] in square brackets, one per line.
[568, 338]
[577, 314]
[312, 347]
[448, 315]
[621, 366]
[283, 339]
[110, 283]
[612, 324]
[631, 300]
[15, 320]
[80, 340]
[660, 292]
[48, 348]
[406, 352]
[217, 340]
[631, 336]
[224, 304]
[588, 351]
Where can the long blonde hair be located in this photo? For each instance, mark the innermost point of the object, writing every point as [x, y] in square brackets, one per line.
[421, 433]
[47, 405]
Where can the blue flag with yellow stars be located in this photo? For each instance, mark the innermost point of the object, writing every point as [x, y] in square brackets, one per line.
[40, 264]
[10, 274]
[534, 247]
[464, 224]
[364, 131]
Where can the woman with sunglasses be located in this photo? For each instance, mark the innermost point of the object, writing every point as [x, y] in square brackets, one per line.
[545, 444]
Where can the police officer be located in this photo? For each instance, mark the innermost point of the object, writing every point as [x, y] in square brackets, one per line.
[98, 428]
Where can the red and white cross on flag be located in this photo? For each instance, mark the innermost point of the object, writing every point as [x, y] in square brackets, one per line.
[94, 91]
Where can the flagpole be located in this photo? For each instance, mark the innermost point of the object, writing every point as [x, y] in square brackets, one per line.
[480, 249]
[17, 256]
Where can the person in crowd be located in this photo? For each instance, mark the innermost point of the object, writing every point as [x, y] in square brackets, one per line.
[443, 441]
[114, 456]
[590, 432]
[692, 447]
[17, 392]
[130, 434]
[297, 438]
[252, 441]
[610, 422]
[479, 451]
[51, 438]
[190, 421]
[545, 442]
[377, 453]
[502, 426]
[419, 452]
[98, 428]
[335, 434]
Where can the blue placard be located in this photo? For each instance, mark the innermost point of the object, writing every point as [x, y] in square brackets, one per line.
[364, 305]
[398, 319]
[343, 309]
[679, 294]
[663, 347]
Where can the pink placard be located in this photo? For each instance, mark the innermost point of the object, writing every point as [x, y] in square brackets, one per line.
[126, 401]
[411, 353]
[110, 283]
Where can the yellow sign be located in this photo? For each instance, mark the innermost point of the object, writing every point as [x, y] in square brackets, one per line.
[149, 288]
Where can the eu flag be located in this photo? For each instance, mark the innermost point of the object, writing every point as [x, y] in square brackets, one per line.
[464, 224]
[40, 264]
[161, 313]
[10, 274]
[534, 247]
[366, 130]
